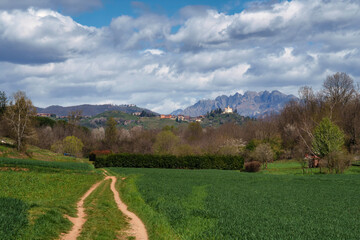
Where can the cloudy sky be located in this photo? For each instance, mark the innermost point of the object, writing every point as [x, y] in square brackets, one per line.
[165, 55]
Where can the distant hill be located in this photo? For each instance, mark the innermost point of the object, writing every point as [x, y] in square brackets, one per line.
[128, 121]
[250, 104]
[92, 110]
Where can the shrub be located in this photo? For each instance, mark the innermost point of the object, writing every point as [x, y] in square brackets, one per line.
[337, 161]
[170, 161]
[98, 153]
[253, 166]
[73, 146]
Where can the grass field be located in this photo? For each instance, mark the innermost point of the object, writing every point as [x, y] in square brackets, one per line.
[214, 204]
[35, 195]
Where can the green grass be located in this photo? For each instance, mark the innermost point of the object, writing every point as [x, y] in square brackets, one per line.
[13, 218]
[48, 195]
[215, 204]
[46, 164]
[105, 221]
[9, 151]
[293, 167]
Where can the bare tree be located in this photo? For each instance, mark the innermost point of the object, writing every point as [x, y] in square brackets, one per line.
[339, 88]
[18, 115]
[263, 153]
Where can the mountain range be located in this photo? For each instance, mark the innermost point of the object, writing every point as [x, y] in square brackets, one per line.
[252, 104]
[92, 110]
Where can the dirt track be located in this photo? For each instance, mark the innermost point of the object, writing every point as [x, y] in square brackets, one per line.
[137, 227]
[80, 219]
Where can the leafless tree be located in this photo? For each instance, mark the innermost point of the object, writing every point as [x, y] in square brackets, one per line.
[339, 88]
[18, 115]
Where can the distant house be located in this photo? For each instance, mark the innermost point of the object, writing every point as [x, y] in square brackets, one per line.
[187, 118]
[180, 117]
[228, 110]
[136, 113]
[44, 114]
[162, 116]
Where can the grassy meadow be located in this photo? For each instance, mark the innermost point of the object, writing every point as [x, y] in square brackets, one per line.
[35, 196]
[215, 204]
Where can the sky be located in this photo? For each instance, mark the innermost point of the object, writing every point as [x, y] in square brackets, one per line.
[166, 55]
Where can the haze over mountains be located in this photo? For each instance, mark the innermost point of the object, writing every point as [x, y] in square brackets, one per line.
[251, 104]
[92, 110]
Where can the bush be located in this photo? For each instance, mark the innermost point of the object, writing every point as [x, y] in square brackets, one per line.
[253, 166]
[98, 153]
[337, 161]
[170, 161]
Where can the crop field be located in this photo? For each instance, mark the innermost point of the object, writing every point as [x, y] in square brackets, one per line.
[215, 204]
[35, 195]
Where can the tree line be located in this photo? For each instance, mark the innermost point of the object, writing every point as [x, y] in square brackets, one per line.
[323, 124]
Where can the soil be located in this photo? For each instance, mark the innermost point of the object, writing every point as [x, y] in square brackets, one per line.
[80, 219]
[137, 227]
[16, 169]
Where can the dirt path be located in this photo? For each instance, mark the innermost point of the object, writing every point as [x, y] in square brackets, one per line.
[137, 226]
[80, 219]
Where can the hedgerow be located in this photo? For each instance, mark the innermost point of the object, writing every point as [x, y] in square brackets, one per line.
[170, 161]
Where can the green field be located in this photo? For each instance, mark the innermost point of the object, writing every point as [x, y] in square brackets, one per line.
[215, 204]
[35, 195]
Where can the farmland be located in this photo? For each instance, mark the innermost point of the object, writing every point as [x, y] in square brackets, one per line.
[37, 194]
[214, 204]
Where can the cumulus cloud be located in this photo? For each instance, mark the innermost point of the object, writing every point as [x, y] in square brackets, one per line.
[41, 36]
[143, 60]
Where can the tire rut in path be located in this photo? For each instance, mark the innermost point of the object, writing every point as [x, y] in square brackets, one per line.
[136, 225]
[80, 219]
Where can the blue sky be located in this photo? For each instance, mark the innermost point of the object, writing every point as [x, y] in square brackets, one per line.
[166, 55]
[110, 9]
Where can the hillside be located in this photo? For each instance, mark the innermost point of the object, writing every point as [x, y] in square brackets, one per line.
[92, 110]
[250, 104]
[128, 121]
[215, 120]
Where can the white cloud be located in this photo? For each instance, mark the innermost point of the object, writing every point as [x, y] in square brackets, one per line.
[140, 60]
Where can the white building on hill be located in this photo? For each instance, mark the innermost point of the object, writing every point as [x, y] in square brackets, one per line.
[228, 110]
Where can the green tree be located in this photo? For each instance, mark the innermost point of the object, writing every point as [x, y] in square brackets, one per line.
[166, 143]
[328, 138]
[73, 146]
[18, 115]
[111, 133]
